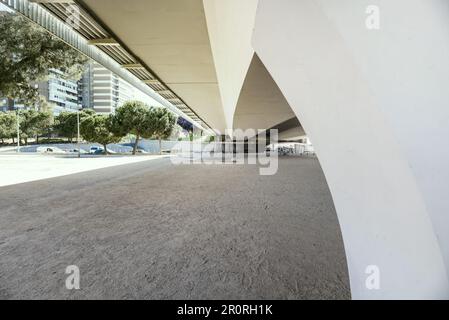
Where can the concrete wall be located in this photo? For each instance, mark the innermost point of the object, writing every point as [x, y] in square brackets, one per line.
[379, 96]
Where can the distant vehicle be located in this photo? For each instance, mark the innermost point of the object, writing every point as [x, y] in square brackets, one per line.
[284, 151]
[76, 151]
[96, 150]
[141, 151]
[53, 150]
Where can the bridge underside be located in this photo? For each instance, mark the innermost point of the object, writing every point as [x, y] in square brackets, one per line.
[366, 98]
[171, 37]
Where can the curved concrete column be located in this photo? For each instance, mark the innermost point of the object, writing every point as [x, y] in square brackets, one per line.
[230, 25]
[375, 106]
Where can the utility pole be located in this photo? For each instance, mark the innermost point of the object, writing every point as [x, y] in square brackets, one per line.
[18, 130]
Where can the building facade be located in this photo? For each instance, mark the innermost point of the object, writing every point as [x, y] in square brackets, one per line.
[102, 90]
[60, 92]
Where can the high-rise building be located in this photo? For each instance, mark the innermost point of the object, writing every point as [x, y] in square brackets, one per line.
[60, 92]
[98, 89]
[103, 91]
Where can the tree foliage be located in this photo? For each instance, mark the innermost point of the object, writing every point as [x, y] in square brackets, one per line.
[99, 128]
[27, 52]
[160, 124]
[164, 122]
[34, 123]
[66, 123]
[134, 117]
[8, 126]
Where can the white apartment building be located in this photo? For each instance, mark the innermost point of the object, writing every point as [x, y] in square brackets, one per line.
[102, 90]
[60, 92]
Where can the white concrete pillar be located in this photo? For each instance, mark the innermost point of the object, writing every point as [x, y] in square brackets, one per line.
[376, 106]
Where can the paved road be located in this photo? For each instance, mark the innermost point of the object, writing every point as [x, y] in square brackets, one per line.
[152, 230]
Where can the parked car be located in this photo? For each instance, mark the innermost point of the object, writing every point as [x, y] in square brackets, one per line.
[96, 150]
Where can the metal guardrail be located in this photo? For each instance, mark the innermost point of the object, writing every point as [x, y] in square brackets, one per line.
[55, 17]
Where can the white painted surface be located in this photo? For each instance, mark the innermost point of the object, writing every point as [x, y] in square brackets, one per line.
[405, 65]
[15, 169]
[230, 24]
[367, 101]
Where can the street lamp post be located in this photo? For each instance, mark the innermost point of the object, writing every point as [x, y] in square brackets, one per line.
[18, 130]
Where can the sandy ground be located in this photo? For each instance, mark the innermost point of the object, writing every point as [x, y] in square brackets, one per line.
[151, 230]
[15, 169]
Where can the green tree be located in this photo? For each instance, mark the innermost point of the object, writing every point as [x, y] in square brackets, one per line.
[27, 53]
[43, 122]
[34, 123]
[134, 117]
[98, 128]
[164, 124]
[66, 123]
[8, 125]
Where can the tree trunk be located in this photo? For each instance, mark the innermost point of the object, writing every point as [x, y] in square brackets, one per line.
[11, 104]
[135, 145]
[13, 140]
[37, 139]
[26, 141]
[3, 141]
[105, 146]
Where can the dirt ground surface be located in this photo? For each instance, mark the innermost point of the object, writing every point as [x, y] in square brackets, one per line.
[153, 230]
